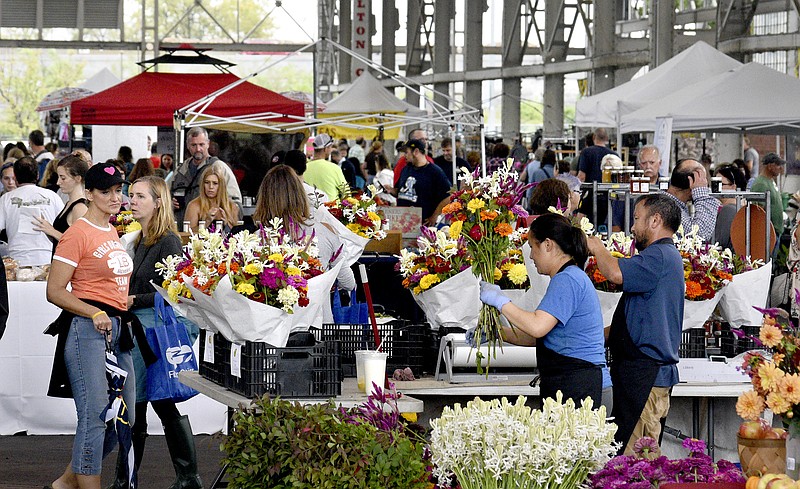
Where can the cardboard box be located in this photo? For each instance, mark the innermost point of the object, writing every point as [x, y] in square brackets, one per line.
[390, 244]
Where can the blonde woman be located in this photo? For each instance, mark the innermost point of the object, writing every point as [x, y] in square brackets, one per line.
[151, 206]
[213, 203]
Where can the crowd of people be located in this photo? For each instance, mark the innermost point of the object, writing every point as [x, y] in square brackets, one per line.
[55, 211]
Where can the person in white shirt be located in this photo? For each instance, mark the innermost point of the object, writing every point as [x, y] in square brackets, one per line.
[18, 211]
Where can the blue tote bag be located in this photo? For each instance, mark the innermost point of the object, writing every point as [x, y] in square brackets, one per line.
[355, 313]
[170, 342]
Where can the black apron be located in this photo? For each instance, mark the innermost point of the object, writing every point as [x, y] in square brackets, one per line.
[576, 379]
[633, 375]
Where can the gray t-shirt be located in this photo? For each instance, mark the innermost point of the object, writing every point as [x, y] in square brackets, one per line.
[752, 154]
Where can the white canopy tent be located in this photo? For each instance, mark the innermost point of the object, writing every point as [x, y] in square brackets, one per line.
[455, 116]
[693, 64]
[751, 98]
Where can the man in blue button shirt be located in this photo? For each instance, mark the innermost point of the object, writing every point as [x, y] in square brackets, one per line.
[645, 332]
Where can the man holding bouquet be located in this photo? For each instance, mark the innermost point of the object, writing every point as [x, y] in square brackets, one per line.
[645, 331]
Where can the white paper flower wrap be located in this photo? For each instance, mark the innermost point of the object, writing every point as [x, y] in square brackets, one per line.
[454, 303]
[746, 290]
[696, 313]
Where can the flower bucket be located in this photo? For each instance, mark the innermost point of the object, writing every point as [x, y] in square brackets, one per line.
[454, 303]
[696, 313]
[746, 290]
[762, 456]
[608, 304]
[538, 281]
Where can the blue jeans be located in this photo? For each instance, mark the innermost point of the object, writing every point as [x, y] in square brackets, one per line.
[85, 357]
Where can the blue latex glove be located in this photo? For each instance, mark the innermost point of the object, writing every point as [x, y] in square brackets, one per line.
[492, 295]
[469, 337]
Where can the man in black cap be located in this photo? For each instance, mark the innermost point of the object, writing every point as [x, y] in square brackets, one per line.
[772, 166]
[421, 183]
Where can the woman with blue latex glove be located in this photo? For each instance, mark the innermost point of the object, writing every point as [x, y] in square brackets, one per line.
[567, 323]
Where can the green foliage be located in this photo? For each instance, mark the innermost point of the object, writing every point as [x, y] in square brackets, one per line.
[27, 76]
[279, 444]
[283, 78]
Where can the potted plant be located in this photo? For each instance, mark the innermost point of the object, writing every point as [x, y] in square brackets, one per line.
[279, 444]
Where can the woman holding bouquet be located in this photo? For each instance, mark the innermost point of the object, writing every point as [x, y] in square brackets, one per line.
[213, 203]
[567, 326]
[150, 200]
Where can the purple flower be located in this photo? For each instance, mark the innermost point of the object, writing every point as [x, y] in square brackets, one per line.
[272, 278]
[644, 446]
[693, 445]
[296, 281]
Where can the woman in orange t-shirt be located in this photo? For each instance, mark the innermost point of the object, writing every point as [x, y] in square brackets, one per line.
[91, 259]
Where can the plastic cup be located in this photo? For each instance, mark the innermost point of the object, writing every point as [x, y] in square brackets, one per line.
[374, 370]
[360, 369]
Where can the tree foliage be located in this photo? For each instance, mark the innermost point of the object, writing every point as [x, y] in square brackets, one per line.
[27, 76]
[236, 17]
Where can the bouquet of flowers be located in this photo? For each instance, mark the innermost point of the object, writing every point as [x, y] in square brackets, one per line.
[356, 220]
[511, 272]
[493, 444]
[706, 268]
[642, 471]
[124, 222]
[247, 285]
[437, 274]
[484, 211]
[748, 289]
[621, 246]
[774, 373]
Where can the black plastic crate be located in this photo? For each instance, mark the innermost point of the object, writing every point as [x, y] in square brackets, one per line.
[304, 372]
[693, 343]
[746, 343]
[727, 343]
[211, 371]
[405, 344]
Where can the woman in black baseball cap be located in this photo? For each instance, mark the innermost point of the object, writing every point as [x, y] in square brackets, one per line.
[91, 259]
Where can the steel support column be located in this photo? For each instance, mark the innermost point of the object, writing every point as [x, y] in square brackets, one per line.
[554, 51]
[512, 56]
[662, 20]
[473, 49]
[413, 47]
[390, 23]
[444, 13]
[345, 39]
[603, 39]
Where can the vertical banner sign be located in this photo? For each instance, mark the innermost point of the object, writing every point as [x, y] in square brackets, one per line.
[662, 141]
[362, 13]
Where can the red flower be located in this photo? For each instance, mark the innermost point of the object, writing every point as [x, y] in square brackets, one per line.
[302, 301]
[475, 233]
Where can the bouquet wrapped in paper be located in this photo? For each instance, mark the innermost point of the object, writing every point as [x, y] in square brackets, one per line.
[356, 220]
[706, 271]
[485, 211]
[124, 222]
[621, 246]
[440, 280]
[249, 286]
[748, 289]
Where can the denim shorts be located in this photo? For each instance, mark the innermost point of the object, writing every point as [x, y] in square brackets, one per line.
[84, 356]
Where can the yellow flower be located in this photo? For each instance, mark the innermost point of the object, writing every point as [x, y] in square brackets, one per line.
[518, 274]
[506, 266]
[252, 269]
[770, 374]
[455, 229]
[276, 257]
[354, 227]
[750, 405]
[475, 205]
[245, 289]
[134, 226]
[417, 290]
[777, 403]
[351, 200]
[770, 335]
[498, 274]
[293, 271]
[428, 280]
[373, 217]
[789, 388]
[617, 254]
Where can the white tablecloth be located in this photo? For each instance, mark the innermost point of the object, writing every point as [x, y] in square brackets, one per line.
[26, 357]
